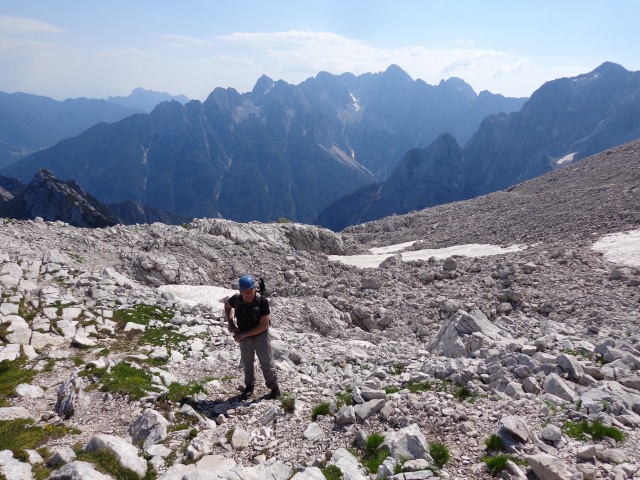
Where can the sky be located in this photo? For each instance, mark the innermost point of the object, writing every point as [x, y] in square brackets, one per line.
[100, 48]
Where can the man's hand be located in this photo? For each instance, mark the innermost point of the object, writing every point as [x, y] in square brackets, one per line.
[238, 337]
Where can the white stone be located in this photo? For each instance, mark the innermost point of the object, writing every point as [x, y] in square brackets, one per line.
[125, 452]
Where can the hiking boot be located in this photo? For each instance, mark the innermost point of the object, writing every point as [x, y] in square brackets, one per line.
[246, 392]
[275, 393]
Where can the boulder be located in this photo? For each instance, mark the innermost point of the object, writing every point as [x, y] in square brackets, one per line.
[548, 467]
[125, 453]
[466, 333]
[150, 427]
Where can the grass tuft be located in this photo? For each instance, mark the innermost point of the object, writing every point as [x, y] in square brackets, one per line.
[288, 403]
[373, 454]
[494, 443]
[22, 434]
[440, 454]
[322, 409]
[106, 462]
[332, 472]
[12, 374]
[596, 430]
[125, 379]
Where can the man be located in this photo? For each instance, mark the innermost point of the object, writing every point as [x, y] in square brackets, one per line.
[252, 334]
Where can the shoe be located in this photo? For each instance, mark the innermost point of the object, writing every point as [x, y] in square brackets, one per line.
[275, 393]
[246, 392]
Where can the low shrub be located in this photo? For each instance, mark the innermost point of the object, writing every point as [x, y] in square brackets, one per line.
[288, 403]
[322, 409]
[440, 454]
[332, 472]
[373, 454]
[494, 443]
[596, 430]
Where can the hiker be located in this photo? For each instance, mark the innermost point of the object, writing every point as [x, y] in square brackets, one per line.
[251, 311]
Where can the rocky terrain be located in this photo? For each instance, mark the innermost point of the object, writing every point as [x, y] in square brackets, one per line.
[533, 353]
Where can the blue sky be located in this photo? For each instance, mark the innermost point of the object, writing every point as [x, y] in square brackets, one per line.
[90, 48]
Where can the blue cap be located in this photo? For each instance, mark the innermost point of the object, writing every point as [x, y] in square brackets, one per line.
[246, 281]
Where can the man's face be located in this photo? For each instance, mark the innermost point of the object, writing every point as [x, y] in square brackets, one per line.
[248, 294]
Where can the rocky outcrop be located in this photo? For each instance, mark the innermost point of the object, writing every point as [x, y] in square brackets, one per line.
[523, 344]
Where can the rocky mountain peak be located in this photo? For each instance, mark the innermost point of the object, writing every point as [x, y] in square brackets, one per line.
[263, 85]
[52, 199]
[457, 84]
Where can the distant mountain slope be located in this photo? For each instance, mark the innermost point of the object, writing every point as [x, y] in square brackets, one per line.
[596, 196]
[30, 122]
[52, 199]
[146, 100]
[563, 121]
[278, 151]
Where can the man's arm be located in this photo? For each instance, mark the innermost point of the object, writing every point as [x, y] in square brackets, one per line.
[228, 313]
[257, 330]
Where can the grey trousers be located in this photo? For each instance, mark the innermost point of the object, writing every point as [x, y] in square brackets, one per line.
[258, 345]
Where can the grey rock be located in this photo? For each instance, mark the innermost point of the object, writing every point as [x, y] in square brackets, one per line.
[408, 442]
[309, 473]
[346, 415]
[78, 470]
[148, 428]
[313, 432]
[69, 394]
[515, 426]
[125, 453]
[61, 456]
[548, 467]
[14, 413]
[14, 469]
[555, 385]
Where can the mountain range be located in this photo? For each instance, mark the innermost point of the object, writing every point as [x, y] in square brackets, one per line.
[280, 150]
[563, 121]
[341, 150]
[31, 122]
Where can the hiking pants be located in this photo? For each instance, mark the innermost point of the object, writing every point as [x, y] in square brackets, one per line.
[260, 345]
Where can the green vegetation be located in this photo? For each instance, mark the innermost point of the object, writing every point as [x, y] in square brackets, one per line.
[124, 379]
[178, 392]
[417, 387]
[12, 374]
[463, 393]
[182, 422]
[322, 409]
[106, 462]
[390, 390]
[344, 398]
[161, 337]
[596, 430]
[440, 454]
[579, 352]
[332, 472]
[496, 464]
[22, 434]
[494, 443]
[142, 314]
[398, 368]
[373, 454]
[288, 403]
[76, 257]
[284, 220]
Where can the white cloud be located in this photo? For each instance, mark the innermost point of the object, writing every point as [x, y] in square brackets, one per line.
[186, 41]
[310, 52]
[13, 25]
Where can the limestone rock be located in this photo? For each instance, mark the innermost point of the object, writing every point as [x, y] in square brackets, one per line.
[125, 453]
